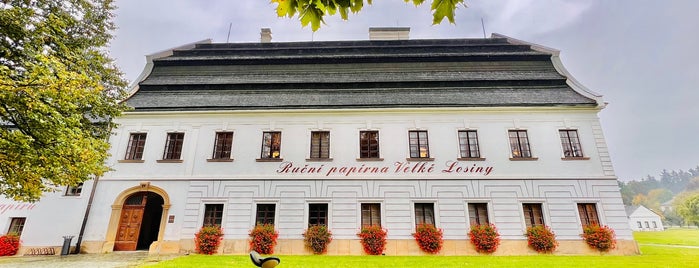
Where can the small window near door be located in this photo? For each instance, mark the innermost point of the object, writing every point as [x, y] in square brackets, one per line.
[213, 214]
[74, 190]
[265, 214]
[317, 214]
[16, 226]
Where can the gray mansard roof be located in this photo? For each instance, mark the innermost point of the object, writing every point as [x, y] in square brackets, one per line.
[485, 72]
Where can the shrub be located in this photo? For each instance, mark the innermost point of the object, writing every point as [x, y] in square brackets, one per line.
[541, 239]
[9, 245]
[429, 238]
[263, 238]
[208, 239]
[600, 237]
[484, 237]
[317, 238]
[373, 239]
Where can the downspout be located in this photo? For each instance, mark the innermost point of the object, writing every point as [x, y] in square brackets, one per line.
[87, 214]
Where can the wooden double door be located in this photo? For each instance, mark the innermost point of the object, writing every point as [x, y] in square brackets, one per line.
[132, 220]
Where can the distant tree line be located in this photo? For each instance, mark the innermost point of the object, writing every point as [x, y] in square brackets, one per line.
[681, 187]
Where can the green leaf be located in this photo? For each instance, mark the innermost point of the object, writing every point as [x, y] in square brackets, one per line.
[443, 8]
[286, 7]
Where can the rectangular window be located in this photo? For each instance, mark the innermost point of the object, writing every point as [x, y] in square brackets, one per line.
[588, 214]
[271, 144]
[371, 214]
[173, 146]
[137, 142]
[213, 214]
[647, 226]
[368, 144]
[419, 148]
[468, 144]
[223, 145]
[533, 216]
[16, 226]
[655, 225]
[639, 224]
[478, 213]
[320, 144]
[424, 213]
[519, 143]
[570, 143]
[317, 214]
[265, 214]
[74, 190]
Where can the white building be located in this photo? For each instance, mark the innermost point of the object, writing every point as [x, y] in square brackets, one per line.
[451, 132]
[643, 219]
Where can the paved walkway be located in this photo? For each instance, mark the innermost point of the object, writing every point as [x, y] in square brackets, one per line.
[106, 260]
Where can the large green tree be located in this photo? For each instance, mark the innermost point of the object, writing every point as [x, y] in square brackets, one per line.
[687, 206]
[58, 93]
[312, 11]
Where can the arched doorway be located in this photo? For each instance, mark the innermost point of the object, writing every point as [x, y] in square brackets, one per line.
[139, 223]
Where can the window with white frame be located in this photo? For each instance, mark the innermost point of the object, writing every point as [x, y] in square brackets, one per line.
[213, 214]
[468, 144]
[478, 213]
[320, 145]
[74, 190]
[519, 144]
[371, 214]
[570, 143]
[271, 145]
[419, 146]
[424, 213]
[223, 145]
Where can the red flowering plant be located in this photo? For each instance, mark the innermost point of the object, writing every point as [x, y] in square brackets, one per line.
[541, 239]
[9, 245]
[263, 238]
[429, 238]
[317, 238]
[484, 237]
[373, 239]
[208, 239]
[600, 237]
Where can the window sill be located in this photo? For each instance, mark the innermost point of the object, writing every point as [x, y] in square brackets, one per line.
[319, 159]
[575, 158]
[524, 158]
[220, 160]
[169, 161]
[417, 159]
[131, 161]
[369, 159]
[470, 159]
[269, 160]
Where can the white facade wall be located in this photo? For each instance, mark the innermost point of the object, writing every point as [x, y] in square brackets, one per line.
[48, 220]
[239, 185]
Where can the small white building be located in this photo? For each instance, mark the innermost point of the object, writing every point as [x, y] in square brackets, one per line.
[450, 132]
[643, 219]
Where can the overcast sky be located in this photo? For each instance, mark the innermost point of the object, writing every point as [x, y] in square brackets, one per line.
[642, 55]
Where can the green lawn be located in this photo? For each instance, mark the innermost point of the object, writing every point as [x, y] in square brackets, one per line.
[675, 236]
[653, 256]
